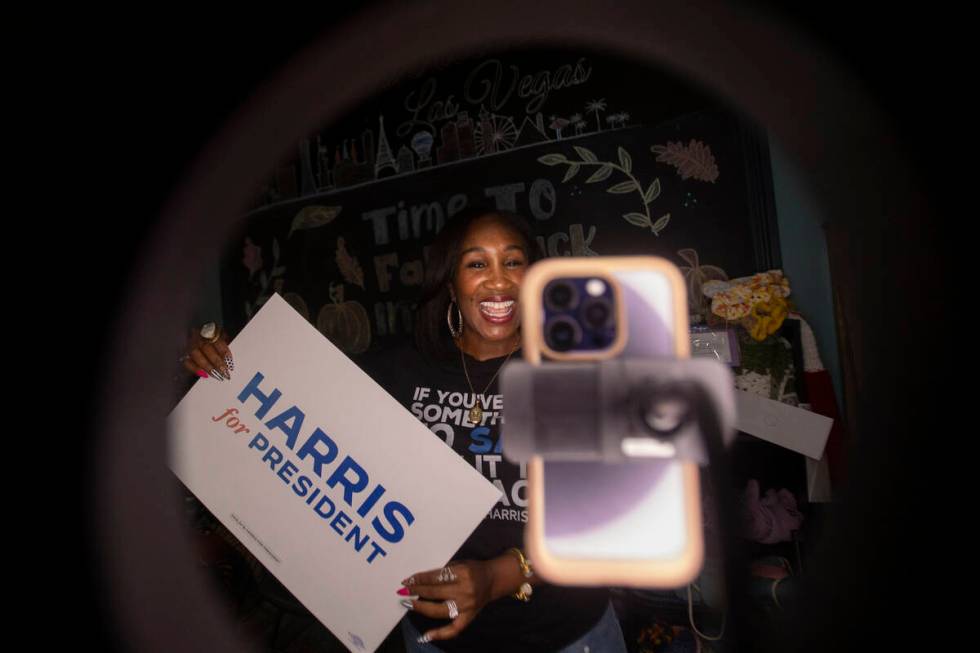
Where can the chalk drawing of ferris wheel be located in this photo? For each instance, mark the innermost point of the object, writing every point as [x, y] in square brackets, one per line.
[494, 133]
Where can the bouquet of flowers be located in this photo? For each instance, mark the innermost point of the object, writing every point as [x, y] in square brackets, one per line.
[758, 302]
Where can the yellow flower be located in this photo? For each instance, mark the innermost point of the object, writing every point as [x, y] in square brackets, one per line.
[757, 327]
[765, 318]
[779, 311]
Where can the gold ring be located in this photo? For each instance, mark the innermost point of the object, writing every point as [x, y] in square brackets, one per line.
[210, 332]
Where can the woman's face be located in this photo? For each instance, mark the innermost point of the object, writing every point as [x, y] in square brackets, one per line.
[491, 268]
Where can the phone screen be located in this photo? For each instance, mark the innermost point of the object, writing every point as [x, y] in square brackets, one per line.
[635, 510]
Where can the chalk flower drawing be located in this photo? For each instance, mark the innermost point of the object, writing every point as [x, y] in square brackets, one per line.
[692, 161]
[605, 170]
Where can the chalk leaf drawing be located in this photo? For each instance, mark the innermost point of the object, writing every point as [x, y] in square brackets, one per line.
[268, 283]
[604, 171]
[251, 257]
[311, 217]
[349, 267]
[693, 160]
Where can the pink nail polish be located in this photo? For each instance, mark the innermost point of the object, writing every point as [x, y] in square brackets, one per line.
[403, 591]
[203, 374]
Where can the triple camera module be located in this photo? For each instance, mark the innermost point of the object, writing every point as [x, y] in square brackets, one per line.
[579, 314]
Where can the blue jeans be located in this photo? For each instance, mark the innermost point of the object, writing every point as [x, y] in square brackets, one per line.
[605, 637]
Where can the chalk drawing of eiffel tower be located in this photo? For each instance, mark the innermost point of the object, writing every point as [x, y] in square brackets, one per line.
[384, 158]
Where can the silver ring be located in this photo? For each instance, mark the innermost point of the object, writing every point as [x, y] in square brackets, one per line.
[446, 575]
[453, 610]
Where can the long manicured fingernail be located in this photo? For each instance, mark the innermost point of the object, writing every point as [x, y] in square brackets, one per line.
[215, 375]
[409, 581]
[408, 604]
[424, 639]
[403, 592]
[230, 362]
[202, 374]
[225, 373]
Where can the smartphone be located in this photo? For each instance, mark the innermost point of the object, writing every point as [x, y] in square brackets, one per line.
[637, 522]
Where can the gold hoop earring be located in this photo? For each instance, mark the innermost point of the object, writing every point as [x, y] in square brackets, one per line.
[455, 332]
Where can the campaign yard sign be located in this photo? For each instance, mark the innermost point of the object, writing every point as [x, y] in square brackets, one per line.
[326, 479]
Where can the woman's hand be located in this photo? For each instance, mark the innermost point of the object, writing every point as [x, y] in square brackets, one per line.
[467, 583]
[205, 358]
[470, 584]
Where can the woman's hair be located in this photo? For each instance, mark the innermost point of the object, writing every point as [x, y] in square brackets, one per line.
[441, 261]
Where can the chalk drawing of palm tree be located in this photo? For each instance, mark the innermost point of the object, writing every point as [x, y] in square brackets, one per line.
[577, 123]
[595, 106]
[614, 119]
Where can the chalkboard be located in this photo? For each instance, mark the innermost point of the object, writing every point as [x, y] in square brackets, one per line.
[602, 156]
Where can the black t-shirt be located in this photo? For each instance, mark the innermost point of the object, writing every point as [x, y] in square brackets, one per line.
[438, 394]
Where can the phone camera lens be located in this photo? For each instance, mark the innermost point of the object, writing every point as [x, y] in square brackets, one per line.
[560, 296]
[596, 313]
[563, 334]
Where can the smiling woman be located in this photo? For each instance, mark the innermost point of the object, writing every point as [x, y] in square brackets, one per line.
[473, 273]
[468, 327]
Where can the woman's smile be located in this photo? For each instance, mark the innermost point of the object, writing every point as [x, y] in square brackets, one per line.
[498, 309]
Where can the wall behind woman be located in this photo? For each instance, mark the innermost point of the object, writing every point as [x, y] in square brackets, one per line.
[804, 252]
[804, 258]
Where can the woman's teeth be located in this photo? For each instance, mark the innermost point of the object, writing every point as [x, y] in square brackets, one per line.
[497, 309]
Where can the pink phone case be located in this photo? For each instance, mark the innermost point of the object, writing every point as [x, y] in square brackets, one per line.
[647, 290]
